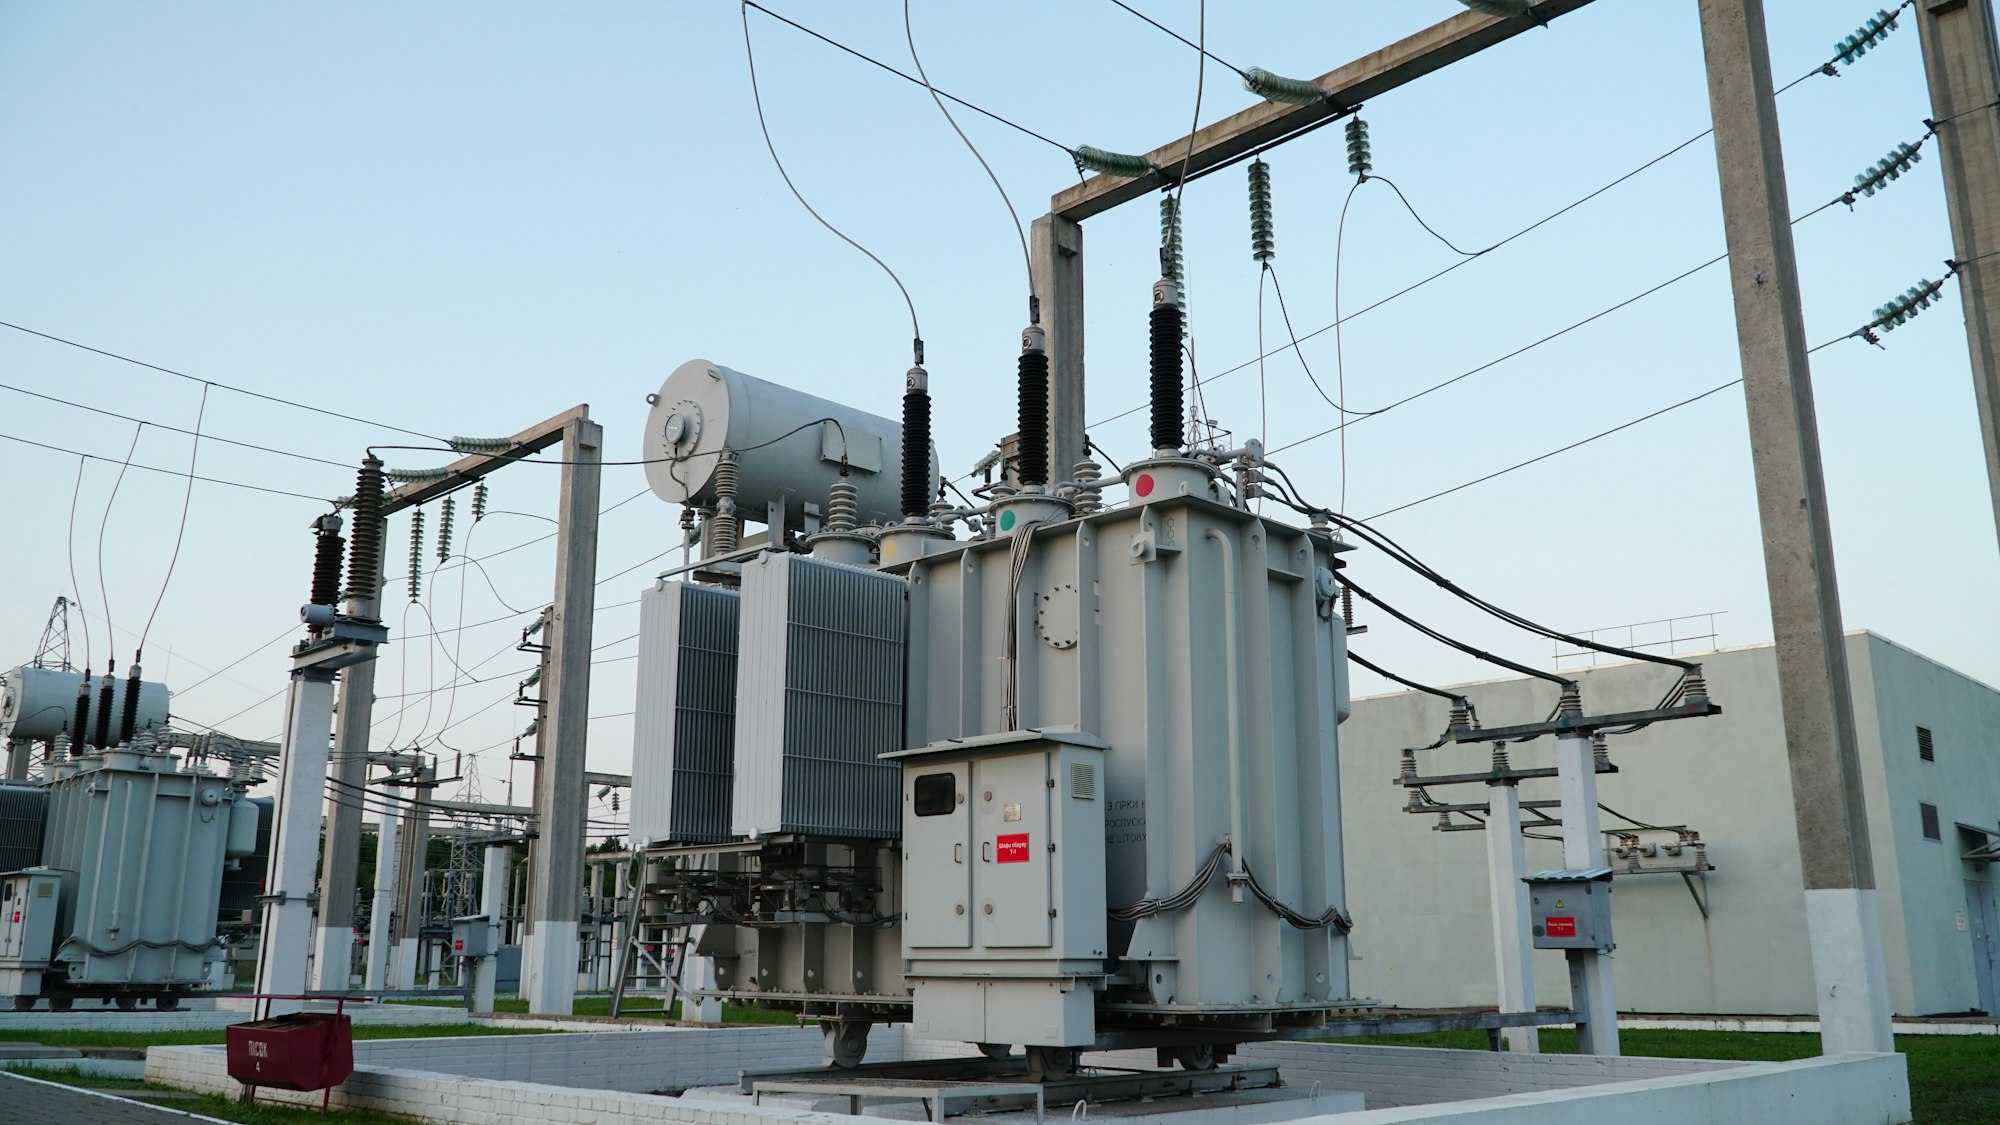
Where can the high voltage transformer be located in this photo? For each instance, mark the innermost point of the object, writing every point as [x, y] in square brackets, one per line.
[1068, 783]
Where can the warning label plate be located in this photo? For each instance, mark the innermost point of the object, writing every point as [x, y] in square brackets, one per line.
[1559, 926]
[1011, 848]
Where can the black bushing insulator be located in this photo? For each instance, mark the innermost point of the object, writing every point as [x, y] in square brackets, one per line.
[79, 727]
[102, 737]
[364, 555]
[1169, 410]
[328, 549]
[128, 718]
[916, 453]
[1034, 417]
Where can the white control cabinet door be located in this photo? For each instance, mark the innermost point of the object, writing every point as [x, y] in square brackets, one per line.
[937, 864]
[1010, 820]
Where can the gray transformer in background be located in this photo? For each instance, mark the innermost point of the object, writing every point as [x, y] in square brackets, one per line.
[684, 729]
[140, 845]
[1200, 644]
[819, 700]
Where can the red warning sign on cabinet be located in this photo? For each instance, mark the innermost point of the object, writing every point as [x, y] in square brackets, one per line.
[1560, 927]
[1012, 849]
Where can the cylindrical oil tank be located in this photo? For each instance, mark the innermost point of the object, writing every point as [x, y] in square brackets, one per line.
[789, 445]
[35, 703]
[243, 823]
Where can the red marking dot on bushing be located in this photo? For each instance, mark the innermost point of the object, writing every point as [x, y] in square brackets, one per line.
[1144, 485]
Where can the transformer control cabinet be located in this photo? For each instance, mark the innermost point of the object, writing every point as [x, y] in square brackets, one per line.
[472, 936]
[1003, 870]
[1570, 909]
[28, 904]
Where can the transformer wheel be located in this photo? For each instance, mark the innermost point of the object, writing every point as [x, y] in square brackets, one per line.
[1196, 1056]
[846, 1042]
[997, 1050]
[1045, 1063]
[24, 1003]
[127, 1003]
[168, 1003]
[61, 1003]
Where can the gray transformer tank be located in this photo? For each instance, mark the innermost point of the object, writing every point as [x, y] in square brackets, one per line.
[140, 844]
[1200, 646]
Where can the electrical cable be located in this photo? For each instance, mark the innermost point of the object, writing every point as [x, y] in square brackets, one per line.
[103, 523]
[1452, 642]
[1408, 683]
[757, 99]
[173, 429]
[1027, 262]
[1244, 74]
[76, 591]
[167, 472]
[1629, 820]
[187, 497]
[674, 460]
[1200, 81]
[871, 60]
[213, 382]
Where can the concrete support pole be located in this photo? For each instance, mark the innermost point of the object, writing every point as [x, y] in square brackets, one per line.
[377, 976]
[1513, 957]
[288, 892]
[1962, 62]
[1841, 911]
[340, 858]
[412, 866]
[1055, 254]
[493, 904]
[561, 804]
[1590, 984]
[697, 974]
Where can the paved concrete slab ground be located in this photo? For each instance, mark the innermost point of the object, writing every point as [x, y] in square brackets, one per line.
[30, 1101]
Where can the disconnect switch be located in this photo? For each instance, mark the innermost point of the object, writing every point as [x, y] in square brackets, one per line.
[1571, 909]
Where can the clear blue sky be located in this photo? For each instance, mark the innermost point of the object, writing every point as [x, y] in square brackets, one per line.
[462, 218]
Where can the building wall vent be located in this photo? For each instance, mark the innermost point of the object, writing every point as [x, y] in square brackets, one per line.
[1930, 816]
[1925, 748]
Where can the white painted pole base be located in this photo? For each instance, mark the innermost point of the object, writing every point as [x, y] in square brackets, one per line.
[377, 976]
[1845, 928]
[1513, 957]
[552, 990]
[1590, 987]
[405, 974]
[288, 921]
[333, 959]
[696, 974]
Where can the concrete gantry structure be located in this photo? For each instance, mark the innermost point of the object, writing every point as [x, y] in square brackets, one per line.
[1931, 784]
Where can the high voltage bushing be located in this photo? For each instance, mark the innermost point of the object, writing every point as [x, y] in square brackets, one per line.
[1865, 37]
[444, 530]
[328, 547]
[103, 734]
[1890, 167]
[843, 505]
[364, 547]
[1033, 408]
[916, 487]
[1090, 159]
[1263, 244]
[1169, 410]
[416, 554]
[81, 712]
[1360, 155]
[1278, 88]
[128, 721]
[478, 501]
[1173, 254]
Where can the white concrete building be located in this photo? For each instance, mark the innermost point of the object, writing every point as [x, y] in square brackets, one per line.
[1930, 752]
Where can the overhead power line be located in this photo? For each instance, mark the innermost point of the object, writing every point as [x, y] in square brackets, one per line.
[168, 472]
[225, 386]
[175, 429]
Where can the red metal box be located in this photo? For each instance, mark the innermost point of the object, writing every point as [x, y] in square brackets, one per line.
[303, 1051]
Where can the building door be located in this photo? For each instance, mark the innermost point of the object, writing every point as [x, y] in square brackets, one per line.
[1984, 928]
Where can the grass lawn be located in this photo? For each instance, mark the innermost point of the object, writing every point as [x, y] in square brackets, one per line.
[228, 1109]
[1954, 1079]
[639, 1007]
